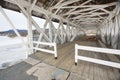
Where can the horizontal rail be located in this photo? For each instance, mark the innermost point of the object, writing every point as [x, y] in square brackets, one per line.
[44, 50]
[102, 50]
[44, 43]
[98, 61]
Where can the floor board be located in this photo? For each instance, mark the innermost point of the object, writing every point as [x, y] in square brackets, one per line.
[87, 70]
[65, 62]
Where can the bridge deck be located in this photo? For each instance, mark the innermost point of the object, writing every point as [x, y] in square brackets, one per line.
[83, 71]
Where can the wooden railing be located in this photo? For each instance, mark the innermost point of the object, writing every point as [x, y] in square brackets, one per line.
[46, 50]
[93, 60]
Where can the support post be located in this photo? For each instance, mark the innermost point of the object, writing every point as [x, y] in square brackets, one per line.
[50, 32]
[76, 54]
[30, 35]
[55, 49]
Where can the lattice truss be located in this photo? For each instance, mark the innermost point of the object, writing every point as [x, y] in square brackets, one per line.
[109, 33]
[72, 13]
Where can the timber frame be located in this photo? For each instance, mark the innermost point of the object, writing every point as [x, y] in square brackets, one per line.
[71, 15]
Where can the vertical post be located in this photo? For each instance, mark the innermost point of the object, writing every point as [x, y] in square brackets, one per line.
[76, 54]
[30, 35]
[74, 34]
[62, 31]
[68, 32]
[50, 29]
[55, 38]
[50, 33]
[55, 49]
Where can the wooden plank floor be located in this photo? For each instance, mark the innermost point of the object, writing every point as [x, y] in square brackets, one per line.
[17, 72]
[85, 70]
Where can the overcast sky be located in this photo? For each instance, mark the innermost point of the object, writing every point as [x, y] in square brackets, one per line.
[18, 20]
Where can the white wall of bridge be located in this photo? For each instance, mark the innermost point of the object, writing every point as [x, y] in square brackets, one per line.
[109, 33]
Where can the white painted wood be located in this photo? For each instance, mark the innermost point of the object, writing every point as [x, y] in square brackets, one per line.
[79, 11]
[57, 5]
[30, 34]
[41, 35]
[22, 4]
[45, 50]
[101, 50]
[95, 6]
[98, 61]
[74, 35]
[55, 49]
[88, 16]
[76, 53]
[33, 22]
[61, 5]
[44, 43]
[33, 4]
[106, 11]
[73, 8]
[79, 6]
[50, 33]
[82, 17]
[67, 2]
[59, 2]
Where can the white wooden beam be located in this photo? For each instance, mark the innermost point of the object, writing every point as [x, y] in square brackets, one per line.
[42, 11]
[85, 6]
[59, 2]
[79, 19]
[57, 5]
[78, 11]
[33, 4]
[88, 16]
[98, 61]
[101, 51]
[30, 34]
[67, 2]
[71, 10]
[41, 35]
[74, 8]
[105, 10]
[34, 23]
[50, 31]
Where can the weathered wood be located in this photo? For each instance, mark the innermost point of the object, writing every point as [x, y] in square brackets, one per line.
[65, 62]
[32, 61]
[47, 72]
[84, 69]
[17, 72]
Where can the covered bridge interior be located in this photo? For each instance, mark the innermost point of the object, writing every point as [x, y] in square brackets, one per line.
[85, 27]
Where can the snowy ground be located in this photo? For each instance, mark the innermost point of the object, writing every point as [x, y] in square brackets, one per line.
[12, 51]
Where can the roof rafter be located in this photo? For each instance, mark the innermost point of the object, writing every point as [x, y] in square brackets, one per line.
[84, 6]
